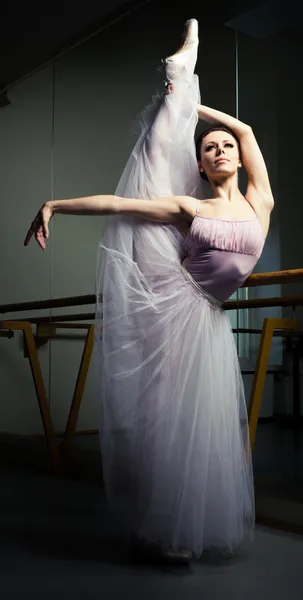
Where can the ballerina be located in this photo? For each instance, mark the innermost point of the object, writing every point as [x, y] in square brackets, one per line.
[174, 433]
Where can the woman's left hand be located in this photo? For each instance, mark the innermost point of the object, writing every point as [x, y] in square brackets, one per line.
[39, 226]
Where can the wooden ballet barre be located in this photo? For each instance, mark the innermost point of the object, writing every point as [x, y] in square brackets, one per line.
[7, 328]
[277, 332]
[29, 344]
[67, 325]
[274, 277]
[7, 333]
[257, 279]
[49, 331]
[270, 325]
[51, 303]
[229, 305]
[264, 302]
[60, 318]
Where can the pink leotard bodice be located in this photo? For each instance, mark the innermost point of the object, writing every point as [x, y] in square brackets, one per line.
[221, 254]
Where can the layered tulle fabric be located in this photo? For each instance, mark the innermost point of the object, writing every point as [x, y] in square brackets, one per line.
[174, 435]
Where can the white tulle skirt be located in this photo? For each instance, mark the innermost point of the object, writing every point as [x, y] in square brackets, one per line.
[174, 432]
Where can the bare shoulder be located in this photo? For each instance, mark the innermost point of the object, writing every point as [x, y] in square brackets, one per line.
[188, 206]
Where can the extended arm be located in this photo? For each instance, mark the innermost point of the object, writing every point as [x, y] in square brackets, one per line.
[162, 210]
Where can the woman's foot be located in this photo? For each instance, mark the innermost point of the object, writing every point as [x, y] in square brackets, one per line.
[142, 551]
[177, 557]
[186, 56]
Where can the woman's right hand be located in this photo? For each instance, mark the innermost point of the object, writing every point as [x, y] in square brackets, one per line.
[39, 226]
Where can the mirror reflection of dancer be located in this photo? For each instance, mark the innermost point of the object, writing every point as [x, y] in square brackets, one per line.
[174, 432]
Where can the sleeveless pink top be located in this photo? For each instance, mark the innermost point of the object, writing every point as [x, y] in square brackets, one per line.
[221, 254]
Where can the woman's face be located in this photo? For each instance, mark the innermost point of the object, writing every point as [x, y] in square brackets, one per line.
[219, 155]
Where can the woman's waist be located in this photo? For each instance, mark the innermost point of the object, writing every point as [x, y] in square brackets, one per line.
[220, 273]
[201, 288]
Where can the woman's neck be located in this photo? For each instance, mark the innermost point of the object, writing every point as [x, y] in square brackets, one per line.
[226, 189]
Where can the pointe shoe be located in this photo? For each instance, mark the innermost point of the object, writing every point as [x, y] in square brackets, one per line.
[145, 552]
[177, 557]
[186, 56]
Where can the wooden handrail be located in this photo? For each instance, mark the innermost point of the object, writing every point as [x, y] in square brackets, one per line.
[230, 305]
[276, 333]
[56, 318]
[44, 304]
[257, 279]
[274, 277]
[264, 302]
